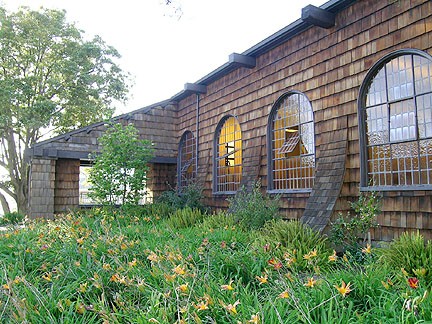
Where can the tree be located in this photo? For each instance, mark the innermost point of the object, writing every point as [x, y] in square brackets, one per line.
[51, 78]
[119, 173]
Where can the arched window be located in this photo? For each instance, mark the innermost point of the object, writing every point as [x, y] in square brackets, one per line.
[186, 161]
[395, 118]
[291, 144]
[228, 156]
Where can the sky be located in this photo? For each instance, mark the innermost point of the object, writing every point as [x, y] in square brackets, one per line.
[163, 49]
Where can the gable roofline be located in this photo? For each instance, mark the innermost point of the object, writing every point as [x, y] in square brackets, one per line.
[90, 127]
[269, 43]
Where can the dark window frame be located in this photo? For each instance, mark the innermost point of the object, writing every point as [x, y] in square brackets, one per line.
[362, 120]
[180, 166]
[270, 139]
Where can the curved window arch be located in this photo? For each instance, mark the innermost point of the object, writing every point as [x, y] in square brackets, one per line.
[395, 118]
[291, 144]
[186, 160]
[227, 161]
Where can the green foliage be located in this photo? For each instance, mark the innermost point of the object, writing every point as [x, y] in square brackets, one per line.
[12, 218]
[219, 220]
[252, 209]
[350, 232]
[189, 196]
[119, 173]
[411, 252]
[127, 265]
[185, 217]
[51, 78]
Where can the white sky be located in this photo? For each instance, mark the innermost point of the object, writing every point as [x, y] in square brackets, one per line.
[163, 52]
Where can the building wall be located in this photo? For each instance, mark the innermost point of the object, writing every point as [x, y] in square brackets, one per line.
[42, 184]
[328, 66]
[66, 192]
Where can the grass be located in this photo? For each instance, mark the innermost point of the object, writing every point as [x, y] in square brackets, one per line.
[104, 267]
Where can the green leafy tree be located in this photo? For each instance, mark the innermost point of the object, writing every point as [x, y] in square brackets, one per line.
[119, 173]
[51, 79]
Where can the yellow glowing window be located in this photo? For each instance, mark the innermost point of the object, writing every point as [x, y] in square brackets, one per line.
[228, 157]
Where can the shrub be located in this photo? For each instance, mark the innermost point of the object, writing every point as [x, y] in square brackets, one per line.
[412, 253]
[12, 218]
[350, 232]
[295, 238]
[189, 196]
[119, 173]
[219, 220]
[251, 209]
[185, 217]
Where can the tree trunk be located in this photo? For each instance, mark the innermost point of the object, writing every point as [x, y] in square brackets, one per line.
[4, 204]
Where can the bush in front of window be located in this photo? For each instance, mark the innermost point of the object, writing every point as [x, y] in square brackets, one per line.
[251, 209]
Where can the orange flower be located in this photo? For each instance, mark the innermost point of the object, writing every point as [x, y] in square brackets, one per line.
[413, 282]
[183, 288]
[284, 294]
[367, 249]
[179, 270]
[227, 287]
[203, 305]
[153, 257]
[311, 282]
[254, 319]
[132, 263]
[344, 289]
[262, 279]
[275, 263]
[106, 266]
[332, 257]
[232, 307]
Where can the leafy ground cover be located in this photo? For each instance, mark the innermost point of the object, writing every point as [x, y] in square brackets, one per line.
[138, 267]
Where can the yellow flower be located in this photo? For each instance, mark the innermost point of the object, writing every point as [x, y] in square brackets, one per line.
[345, 258]
[344, 289]
[153, 320]
[153, 257]
[115, 278]
[254, 319]
[311, 282]
[80, 240]
[183, 288]
[232, 307]
[284, 294]
[77, 264]
[106, 266]
[6, 287]
[179, 270]
[332, 257]
[367, 249]
[262, 279]
[123, 246]
[310, 255]
[47, 276]
[169, 277]
[203, 305]
[227, 287]
[83, 287]
[132, 263]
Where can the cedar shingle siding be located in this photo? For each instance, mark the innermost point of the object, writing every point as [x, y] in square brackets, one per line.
[327, 65]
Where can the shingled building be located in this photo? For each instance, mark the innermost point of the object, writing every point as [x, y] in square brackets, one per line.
[337, 102]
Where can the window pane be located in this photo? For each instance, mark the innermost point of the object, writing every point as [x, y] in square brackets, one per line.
[379, 165]
[402, 121]
[426, 161]
[377, 91]
[377, 125]
[424, 110]
[293, 144]
[405, 163]
[187, 159]
[229, 157]
[399, 78]
[85, 185]
[422, 74]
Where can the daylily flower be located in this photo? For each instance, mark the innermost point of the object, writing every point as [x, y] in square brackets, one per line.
[275, 263]
[47, 276]
[262, 279]
[179, 270]
[311, 282]
[367, 249]
[183, 288]
[153, 257]
[344, 289]
[106, 266]
[254, 319]
[132, 263]
[413, 282]
[284, 294]
[169, 278]
[203, 305]
[232, 307]
[227, 287]
[332, 257]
